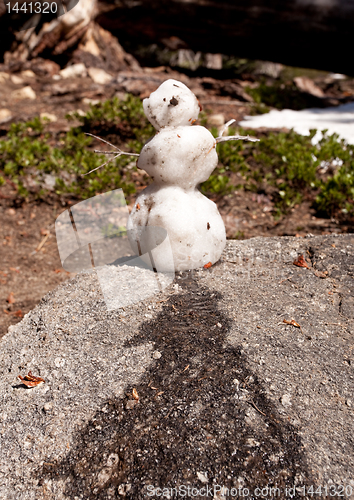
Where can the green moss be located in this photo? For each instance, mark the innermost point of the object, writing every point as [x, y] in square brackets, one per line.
[285, 166]
[336, 196]
[217, 184]
[28, 152]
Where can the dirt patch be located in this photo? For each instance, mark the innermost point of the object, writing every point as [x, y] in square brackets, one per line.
[29, 261]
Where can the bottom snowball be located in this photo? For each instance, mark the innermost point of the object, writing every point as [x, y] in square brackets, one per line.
[195, 229]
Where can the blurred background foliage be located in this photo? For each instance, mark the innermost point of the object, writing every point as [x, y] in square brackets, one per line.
[285, 166]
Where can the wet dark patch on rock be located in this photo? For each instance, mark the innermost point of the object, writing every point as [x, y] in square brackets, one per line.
[200, 410]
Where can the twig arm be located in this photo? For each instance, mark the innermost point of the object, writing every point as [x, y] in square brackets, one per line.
[236, 138]
[233, 137]
[118, 152]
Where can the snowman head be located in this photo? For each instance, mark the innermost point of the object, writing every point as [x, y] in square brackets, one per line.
[171, 105]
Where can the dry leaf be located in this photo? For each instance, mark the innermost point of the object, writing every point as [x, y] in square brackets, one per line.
[301, 262]
[18, 313]
[30, 380]
[320, 274]
[292, 322]
[206, 266]
[11, 299]
[135, 394]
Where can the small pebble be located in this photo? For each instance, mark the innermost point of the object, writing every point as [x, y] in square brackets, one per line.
[24, 93]
[252, 442]
[286, 400]
[157, 355]
[17, 80]
[130, 404]
[217, 120]
[59, 362]
[99, 76]
[74, 71]
[28, 73]
[236, 382]
[48, 406]
[49, 116]
[202, 477]
[5, 115]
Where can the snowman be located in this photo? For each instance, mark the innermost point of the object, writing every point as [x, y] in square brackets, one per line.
[178, 158]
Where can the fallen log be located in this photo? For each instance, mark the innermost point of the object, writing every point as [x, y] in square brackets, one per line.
[304, 33]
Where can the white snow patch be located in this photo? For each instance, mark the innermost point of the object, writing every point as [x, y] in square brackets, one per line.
[339, 120]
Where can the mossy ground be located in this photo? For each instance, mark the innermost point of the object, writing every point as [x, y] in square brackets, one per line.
[284, 166]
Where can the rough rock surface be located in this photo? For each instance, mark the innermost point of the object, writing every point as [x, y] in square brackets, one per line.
[203, 385]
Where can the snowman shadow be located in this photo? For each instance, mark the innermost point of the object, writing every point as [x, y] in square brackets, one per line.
[199, 416]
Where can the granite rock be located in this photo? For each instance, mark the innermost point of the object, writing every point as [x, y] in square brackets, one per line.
[201, 385]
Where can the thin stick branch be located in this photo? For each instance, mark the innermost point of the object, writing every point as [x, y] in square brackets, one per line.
[236, 138]
[120, 152]
[103, 140]
[104, 164]
[233, 137]
[113, 146]
[226, 126]
[105, 152]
